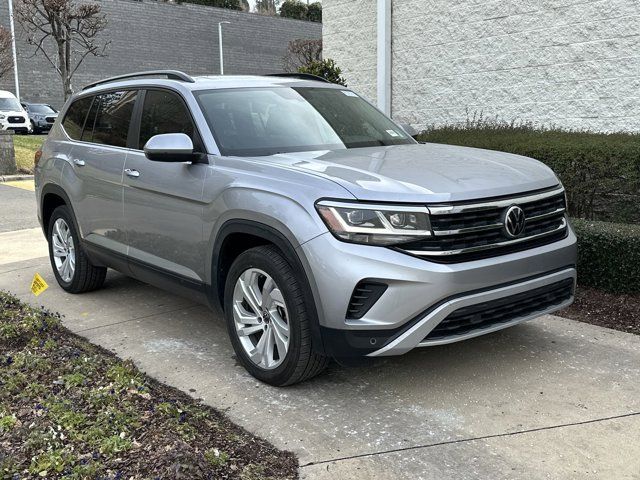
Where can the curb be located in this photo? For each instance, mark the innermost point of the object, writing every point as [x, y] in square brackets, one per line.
[13, 178]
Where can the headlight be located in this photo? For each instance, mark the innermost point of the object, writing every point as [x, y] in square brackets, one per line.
[2, 117]
[375, 224]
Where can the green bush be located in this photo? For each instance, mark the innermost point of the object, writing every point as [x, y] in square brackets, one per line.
[314, 13]
[608, 255]
[326, 68]
[601, 172]
[294, 9]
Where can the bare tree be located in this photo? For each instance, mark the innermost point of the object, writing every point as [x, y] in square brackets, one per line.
[267, 7]
[302, 52]
[73, 27]
[6, 55]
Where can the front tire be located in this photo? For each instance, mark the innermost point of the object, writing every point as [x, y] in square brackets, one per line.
[71, 266]
[267, 319]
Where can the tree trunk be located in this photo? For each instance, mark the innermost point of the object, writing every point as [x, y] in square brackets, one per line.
[62, 66]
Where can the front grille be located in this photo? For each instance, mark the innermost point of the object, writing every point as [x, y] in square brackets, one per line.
[502, 310]
[463, 232]
[50, 119]
[16, 119]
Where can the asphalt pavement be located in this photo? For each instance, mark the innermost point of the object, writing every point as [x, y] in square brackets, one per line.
[17, 207]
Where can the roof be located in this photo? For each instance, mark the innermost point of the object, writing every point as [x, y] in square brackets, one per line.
[6, 94]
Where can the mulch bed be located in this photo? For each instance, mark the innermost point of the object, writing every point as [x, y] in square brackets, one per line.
[620, 312]
[69, 409]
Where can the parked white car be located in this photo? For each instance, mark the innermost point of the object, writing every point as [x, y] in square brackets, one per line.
[12, 115]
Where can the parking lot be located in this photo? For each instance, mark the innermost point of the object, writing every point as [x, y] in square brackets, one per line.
[551, 398]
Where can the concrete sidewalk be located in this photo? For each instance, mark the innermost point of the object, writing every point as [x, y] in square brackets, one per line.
[551, 398]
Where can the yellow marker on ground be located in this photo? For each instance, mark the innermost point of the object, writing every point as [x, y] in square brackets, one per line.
[23, 184]
[38, 285]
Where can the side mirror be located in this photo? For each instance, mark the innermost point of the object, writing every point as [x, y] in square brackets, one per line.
[171, 147]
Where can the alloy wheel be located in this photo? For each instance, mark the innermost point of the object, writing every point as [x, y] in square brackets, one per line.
[261, 318]
[63, 248]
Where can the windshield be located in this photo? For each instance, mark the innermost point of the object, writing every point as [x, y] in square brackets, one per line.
[266, 121]
[10, 104]
[38, 108]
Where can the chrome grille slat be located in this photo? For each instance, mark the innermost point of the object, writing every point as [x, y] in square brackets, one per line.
[501, 203]
[477, 229]
[420, 253]
[468, 230]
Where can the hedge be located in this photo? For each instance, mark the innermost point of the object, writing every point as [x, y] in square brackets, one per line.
[608, 255]
[601, 172]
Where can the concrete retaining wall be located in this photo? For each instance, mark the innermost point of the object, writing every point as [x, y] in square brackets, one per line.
[7, 154]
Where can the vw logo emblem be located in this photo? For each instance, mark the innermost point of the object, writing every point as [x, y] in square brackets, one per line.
[514, 221]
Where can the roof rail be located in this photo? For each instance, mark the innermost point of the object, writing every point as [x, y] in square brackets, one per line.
[170, 74]
[301, 76]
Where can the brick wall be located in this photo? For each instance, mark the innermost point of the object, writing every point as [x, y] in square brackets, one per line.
[570, 63]
[156, 35]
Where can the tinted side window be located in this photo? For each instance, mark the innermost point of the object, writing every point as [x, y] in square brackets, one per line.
[87, 133]
[164, 112]
[74, 119]
[113, 117]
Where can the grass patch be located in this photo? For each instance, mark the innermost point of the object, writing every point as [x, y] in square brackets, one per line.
[76, 411]
[25, 147]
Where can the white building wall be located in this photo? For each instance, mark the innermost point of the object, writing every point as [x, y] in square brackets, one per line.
[349, 37]
[569, 63]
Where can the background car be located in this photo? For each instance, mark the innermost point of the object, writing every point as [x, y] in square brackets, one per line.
[41, 115]
[12, 115]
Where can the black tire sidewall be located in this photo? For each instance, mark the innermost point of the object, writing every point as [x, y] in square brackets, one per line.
[64, 213]
[290, 286]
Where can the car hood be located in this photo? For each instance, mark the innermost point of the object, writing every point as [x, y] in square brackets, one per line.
[13, 113]
[423, 172]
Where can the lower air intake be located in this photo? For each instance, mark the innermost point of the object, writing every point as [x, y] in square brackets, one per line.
[364, 296]
[502, 310]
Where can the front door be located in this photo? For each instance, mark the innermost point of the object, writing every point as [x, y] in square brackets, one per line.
[163, 204]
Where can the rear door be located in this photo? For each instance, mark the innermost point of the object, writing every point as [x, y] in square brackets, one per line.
[163, 201]
[97, 161]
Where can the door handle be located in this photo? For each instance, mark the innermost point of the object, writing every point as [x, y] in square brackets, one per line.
[78, 162]
[131, 172]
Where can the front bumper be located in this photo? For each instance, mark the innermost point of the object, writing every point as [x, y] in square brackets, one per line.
[42, 124]
[420, 293]
[417, 335]
[23, 127]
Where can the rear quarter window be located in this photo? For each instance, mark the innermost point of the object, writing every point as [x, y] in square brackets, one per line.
[75, 117]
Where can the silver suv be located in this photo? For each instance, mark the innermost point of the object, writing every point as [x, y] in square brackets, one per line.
[318, 225]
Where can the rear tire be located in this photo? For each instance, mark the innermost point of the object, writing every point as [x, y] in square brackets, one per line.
[71, 266]
[282, 318]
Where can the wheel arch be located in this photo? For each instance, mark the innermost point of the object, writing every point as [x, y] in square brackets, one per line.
[238, 235]
[52, 197]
